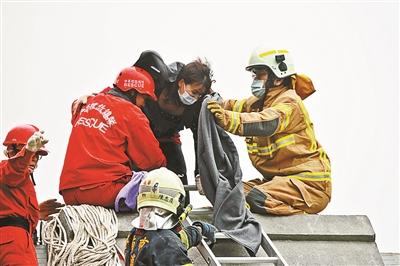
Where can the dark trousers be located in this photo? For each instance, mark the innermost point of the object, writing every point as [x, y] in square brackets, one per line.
[176, 162]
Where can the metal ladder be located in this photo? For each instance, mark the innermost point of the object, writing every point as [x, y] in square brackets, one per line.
[274, 256]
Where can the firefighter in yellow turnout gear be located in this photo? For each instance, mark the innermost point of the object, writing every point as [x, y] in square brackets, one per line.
[280, 138]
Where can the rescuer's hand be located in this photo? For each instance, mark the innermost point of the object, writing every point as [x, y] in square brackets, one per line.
[217, 110]
[36, 141]
[221, 115]
[207, 230]
[48, 207]
[78, 103]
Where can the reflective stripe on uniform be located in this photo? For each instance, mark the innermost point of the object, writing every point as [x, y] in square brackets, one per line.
[235, 122]
[324, 159]
[268, 150]
[287, 110]
[315, 176]
[184, 238]
[273, 52]
[235, 116]
[238, 106]
[310, 133]
[309, 129]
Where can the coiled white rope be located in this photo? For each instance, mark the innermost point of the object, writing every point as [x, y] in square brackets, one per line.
[94, 237]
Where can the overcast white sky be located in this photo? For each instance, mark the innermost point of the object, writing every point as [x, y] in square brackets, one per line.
[53, 52]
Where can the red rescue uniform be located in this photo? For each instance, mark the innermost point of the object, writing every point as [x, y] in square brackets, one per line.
[17, 199]
[110, 137]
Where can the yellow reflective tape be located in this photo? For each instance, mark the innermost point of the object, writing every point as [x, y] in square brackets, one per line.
[310, 133]
[235, 121]
[311, 178]
[285, 141]
[242, 105]
[309, 129]
[184, 238]
[324, 159]
[287, 110]
[268, 150]
[327, 174]
[231, 122]
[314, 176]
[187, 264]
[238, 107]
[237, 124]
[273, 52]
[252, 148]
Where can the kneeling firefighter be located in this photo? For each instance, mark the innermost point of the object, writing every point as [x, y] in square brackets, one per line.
[158, 237]
[280, 138]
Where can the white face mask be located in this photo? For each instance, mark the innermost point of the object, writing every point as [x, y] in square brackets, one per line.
[258, 88]
[153, 218]
[186, 98]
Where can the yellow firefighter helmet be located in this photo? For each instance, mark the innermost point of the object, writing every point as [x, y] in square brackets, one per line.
[162, 188]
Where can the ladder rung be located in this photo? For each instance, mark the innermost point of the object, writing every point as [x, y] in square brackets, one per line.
[201, 211]
[247, 260]
[220, 235]
[266, 244]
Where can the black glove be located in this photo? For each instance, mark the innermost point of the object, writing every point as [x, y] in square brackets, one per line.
[207, 230]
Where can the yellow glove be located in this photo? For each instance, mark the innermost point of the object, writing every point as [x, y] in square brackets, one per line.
[218, 112]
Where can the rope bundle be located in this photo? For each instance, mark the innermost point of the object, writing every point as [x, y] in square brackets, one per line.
[94, 237]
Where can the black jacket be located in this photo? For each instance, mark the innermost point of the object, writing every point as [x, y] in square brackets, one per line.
[162, 247]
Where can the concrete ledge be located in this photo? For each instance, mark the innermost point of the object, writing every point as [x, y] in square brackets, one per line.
[329, 252]
[318, 227]
[391, 259]
[298, 227]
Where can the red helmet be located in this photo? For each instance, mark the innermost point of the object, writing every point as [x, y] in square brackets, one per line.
[20, 135]
[135, 78]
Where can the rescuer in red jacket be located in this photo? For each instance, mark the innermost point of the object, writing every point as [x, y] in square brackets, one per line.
[19, 209]
[110, 138]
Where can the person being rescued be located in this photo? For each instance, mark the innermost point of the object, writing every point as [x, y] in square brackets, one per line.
[110, 138]
[180, 90]
[158, 237]
[280, 138]
[19, 208]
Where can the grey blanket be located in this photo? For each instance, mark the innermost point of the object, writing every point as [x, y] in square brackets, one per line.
[221, 178]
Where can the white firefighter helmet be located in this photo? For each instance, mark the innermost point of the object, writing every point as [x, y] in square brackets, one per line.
[162, 188]
[279, 61]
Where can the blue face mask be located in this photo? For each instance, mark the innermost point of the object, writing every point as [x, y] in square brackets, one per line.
[186, 98]
[258, 88]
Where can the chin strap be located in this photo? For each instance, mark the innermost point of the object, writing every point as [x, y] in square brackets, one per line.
[33, 180]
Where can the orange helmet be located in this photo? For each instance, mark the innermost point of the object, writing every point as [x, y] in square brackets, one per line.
[135, 78]
[20, 135]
